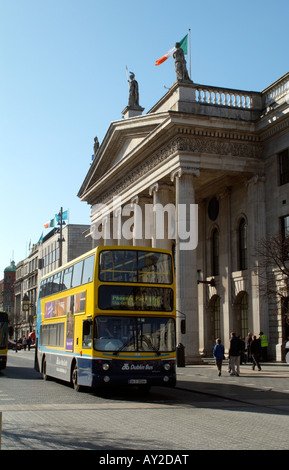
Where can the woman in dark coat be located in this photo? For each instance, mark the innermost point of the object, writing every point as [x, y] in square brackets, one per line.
[255, 352]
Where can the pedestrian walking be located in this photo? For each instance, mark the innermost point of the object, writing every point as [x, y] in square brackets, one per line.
[242, 350]
[234, 354]
[28, 343]
[248, 346]
[256, 352]
[24, 342]
[218, 353]
[264, 346]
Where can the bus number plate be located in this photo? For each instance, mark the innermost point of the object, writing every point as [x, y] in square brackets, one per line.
[137, 381]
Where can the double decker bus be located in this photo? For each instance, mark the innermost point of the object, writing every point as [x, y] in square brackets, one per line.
[3, 339]
[107, 318]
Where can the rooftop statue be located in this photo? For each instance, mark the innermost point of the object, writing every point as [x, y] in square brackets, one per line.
[133, 99]
[180, 63]
[95, 146]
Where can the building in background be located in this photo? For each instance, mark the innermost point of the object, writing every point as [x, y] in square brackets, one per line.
[7, 290]
[43, 258]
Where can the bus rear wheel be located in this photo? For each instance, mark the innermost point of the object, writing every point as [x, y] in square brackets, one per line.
[44, 368]
[74, 378]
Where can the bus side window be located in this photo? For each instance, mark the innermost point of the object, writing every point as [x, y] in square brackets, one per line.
[42, 290]
[87, 333]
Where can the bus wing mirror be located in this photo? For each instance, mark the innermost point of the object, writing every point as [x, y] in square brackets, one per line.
[183, 327]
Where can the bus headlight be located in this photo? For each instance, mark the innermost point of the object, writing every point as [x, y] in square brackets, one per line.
[167, 366]
[166, 378]
[105, 366]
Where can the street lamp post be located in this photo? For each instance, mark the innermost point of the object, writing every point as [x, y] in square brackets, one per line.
[60, 239]
[27, 307]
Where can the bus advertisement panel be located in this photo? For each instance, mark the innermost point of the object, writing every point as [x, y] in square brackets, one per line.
[3, 339]
[108, 318]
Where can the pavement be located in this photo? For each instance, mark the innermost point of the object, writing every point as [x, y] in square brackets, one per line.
[268, 387]
[225, 401]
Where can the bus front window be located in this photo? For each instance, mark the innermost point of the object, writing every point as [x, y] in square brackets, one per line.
[136, 334]
[3, 334]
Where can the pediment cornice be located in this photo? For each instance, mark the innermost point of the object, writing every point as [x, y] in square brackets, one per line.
[198, 146]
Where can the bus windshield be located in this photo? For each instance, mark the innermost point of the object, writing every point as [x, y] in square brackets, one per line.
[135, 334]
[135, 266]
[3, 334]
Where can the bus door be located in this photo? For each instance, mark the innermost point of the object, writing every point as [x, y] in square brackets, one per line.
[78, 326]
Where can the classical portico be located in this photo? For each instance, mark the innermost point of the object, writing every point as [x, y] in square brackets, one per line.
[200, 148]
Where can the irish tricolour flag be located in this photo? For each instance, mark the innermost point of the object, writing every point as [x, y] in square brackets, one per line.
[183, 45]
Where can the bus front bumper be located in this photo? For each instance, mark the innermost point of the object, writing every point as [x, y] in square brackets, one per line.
[129, 373]
[3, 362]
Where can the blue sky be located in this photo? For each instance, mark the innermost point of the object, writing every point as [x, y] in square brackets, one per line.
[63, 80]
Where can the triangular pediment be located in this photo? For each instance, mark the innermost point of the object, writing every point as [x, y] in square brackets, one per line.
[123, 140]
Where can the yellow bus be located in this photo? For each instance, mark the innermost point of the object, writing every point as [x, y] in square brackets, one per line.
[3, 339]
[108, 318]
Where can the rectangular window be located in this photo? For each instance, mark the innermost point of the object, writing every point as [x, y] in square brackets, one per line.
[77, 274]
[285, 237]
[284, 166]
[135, 266]
[67, 278]
[87, 334]
[49, 286]
[56, 282]
[53, 335]
[285, 227]
[42, 289]
[88, 270]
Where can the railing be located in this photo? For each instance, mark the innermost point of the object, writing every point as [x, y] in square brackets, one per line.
[276, 91]
[252, 101]
[224, 97]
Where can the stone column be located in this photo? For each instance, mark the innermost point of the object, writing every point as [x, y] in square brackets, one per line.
[117, 226]
[226, 268]
[163, 216]
[186, 267]
[108, 230]
[256, 232]
[202, 288]
[141, 232]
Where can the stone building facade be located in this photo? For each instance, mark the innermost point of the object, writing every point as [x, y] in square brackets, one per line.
[7, 294]
[225, 151]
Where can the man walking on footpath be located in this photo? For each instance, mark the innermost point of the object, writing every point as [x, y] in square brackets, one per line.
[264, 346]
[218, 353]
[234, 355]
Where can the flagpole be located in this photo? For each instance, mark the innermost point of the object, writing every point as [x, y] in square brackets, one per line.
[189, 37]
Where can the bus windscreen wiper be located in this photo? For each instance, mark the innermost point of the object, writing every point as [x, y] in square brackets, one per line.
[150, 344]
[127, 343]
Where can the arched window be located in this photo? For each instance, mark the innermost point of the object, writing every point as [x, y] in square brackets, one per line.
[215, 253]
[243, 244]
[244, 308]
[241, 314]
